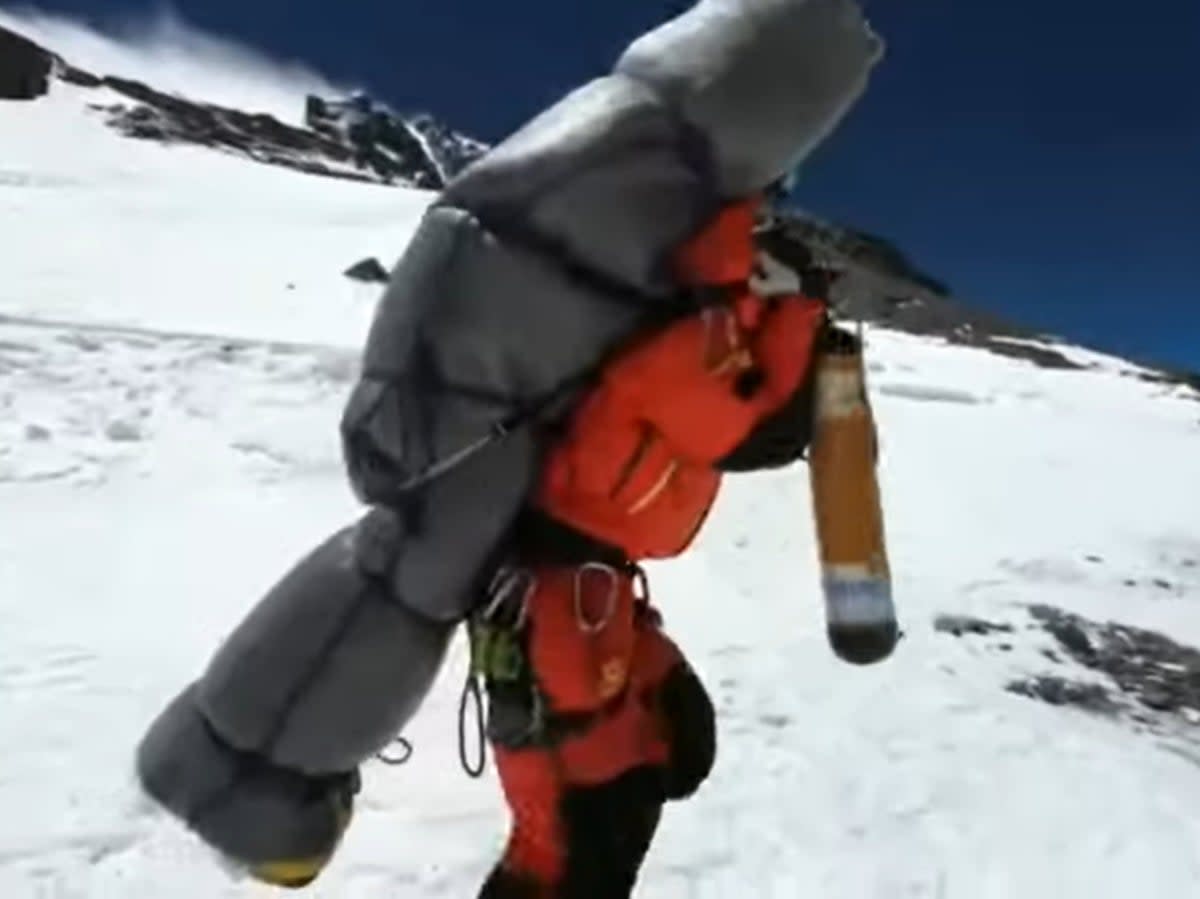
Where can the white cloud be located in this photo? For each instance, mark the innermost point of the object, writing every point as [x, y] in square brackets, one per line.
[167, 52]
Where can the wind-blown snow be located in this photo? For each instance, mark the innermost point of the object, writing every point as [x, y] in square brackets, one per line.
[160, 48]
[153, 483]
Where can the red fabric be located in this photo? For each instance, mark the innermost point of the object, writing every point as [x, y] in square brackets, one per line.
[626, 734]
[580, 671]
[636, 465]
[723, 252]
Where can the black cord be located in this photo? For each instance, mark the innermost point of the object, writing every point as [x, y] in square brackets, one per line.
[472, 691]
[405, 753]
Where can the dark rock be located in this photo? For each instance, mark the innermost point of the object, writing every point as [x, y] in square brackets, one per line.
[1159, 697]
[1074, 639]
[1173, 377]
[171, 119]
[384, 149]
[1163, 584]
[25, 67]
[1146, 666]
[1095, 560]
[1060, 691]
[78, 77]
[964, 625]
[1042, 357]
[880, 284]
[369, 271]
[380, 141]
[452, 151]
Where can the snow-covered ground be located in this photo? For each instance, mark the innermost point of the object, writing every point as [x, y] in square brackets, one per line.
[168, 411]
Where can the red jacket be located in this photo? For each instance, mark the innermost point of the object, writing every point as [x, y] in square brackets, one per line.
[638, 467]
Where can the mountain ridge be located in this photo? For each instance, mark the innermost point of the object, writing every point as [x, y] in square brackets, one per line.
[881, 285]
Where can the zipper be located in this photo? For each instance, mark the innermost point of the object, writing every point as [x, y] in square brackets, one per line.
[635, 459]
[656, 491]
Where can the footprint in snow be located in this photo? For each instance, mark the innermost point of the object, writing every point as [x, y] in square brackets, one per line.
[123, 431]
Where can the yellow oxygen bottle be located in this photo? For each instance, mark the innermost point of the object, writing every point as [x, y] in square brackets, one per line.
[856, 578]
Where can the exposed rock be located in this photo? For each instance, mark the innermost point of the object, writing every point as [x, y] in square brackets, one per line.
[964, 625]
[1174, 378]
[380, 141]
[879, 284]
[369, 271]
[1063, 692]
[388, 150]
[1149, 668]
[25, 67]
[78, 77]
[37, 433]
[452, 151]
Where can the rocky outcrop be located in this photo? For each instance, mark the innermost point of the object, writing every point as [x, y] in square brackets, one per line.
[380, 141]
[1105, 668]
[167, 118]
[384, 147]
[25, 68]
[881, 286]
[1148, 668]
[368, 271]
[451, 150]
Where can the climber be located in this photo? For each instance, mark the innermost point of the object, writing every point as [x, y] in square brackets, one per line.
[596, 719]
[573, 349]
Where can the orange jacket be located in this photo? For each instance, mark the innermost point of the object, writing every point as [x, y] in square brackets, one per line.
[636, 467]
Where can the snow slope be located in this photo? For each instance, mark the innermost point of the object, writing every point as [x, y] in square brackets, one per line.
[101, 228]
[168, 411]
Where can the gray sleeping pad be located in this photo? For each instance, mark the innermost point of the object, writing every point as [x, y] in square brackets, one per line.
[524, 276]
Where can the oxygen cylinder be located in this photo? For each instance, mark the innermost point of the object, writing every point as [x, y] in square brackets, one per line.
[856, 578]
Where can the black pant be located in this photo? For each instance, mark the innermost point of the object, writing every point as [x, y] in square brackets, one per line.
[609, 829]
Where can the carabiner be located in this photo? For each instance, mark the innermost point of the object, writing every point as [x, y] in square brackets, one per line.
[610, 607]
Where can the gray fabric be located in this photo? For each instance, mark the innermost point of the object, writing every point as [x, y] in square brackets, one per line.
[764, 80]
[440, 568]
[251, 811]
[328, 668]
[450, 353]
[610, 178]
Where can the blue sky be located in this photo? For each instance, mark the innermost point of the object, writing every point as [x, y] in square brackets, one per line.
[1041, 157]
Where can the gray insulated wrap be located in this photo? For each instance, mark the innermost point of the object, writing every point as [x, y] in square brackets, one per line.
[471, 332]
[329, 666]
[609, 180]
[240, 805]
[764, 80]
[460, 519]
